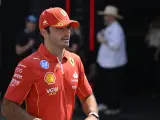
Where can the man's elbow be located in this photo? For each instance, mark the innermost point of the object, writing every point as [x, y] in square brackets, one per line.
[7, 105]
[18, 50]
[4, 109]
[88, 97]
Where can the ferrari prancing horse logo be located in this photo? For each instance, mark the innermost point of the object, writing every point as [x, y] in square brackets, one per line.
[71, 60]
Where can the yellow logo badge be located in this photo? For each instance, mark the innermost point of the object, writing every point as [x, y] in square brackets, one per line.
[60, 24]
[71, 60]
[63, 12]
[50, 78]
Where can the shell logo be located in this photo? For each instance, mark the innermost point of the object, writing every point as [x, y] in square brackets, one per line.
[50, 78]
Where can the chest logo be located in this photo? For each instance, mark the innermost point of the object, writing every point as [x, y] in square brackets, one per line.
[71, 60]
[52, 91]
[75, 75]
[50, 78]
[44, 64]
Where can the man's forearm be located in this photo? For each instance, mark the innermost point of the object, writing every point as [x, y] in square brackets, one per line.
[89, 104]
[22, 49]
[13, 111]
[102, 41]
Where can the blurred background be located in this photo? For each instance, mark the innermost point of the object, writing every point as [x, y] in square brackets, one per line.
[141, 84]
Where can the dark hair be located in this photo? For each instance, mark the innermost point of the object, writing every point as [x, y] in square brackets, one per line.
[31, 18]
[48, 31]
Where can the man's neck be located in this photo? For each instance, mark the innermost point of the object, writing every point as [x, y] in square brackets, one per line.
[55, 50]
[111, 22]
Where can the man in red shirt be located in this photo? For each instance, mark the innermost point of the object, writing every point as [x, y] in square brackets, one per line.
[49, 79]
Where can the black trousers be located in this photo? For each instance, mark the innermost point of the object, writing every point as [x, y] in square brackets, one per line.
[152, 82]
[109, 86]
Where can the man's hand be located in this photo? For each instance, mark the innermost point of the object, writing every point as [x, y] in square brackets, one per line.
[91, 117]
[100, 38]
[31, 42]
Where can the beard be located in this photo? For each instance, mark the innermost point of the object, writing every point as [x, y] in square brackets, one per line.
[106, 22]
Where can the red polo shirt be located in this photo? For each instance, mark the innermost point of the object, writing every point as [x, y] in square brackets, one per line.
[48, 87]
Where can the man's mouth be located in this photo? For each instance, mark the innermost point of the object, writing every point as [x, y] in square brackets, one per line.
[65, 39]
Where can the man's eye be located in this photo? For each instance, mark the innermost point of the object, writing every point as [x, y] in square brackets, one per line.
[58, 28]
[68, 27]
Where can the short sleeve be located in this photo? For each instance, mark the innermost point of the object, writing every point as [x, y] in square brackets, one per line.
[114, 36]
[20, 84]
[84, 89]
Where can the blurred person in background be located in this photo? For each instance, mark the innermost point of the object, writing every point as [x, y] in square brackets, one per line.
[75, 38]
[111, 61]
[153, 52]
[28, 40]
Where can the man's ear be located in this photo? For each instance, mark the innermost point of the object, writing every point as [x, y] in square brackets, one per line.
[43, 32]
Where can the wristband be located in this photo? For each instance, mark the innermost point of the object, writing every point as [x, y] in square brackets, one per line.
[94, 114]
